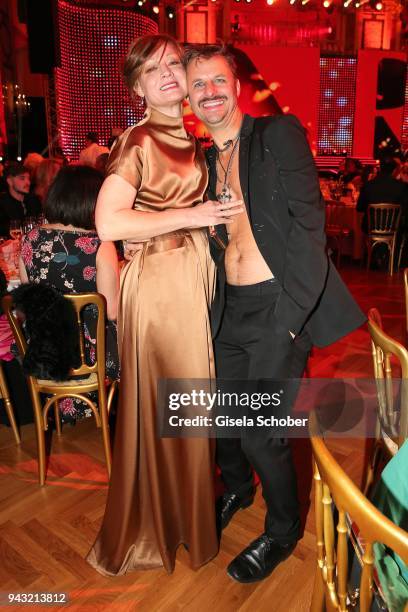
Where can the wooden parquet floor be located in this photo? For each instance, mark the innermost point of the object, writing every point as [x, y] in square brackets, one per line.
[46, 532]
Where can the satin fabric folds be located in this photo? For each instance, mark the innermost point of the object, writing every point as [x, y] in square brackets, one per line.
[161, 492]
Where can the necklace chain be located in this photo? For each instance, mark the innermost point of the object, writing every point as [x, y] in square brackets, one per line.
[225, 193]
[227, 144]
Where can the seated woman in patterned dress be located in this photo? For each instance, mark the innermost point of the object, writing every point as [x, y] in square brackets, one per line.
[67, 254]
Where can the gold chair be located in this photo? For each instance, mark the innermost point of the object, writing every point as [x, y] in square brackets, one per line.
[8, 406]
[392, 425]
[406, 298]
[94, 378]
[401, 249]
[383, 348]
[332, 485]
[383, 222]
[334, 229]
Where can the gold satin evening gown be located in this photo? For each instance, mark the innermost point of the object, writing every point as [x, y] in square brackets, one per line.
[161, 492]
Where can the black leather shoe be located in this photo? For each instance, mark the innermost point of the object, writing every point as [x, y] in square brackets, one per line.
[259, 559]
[229, 504]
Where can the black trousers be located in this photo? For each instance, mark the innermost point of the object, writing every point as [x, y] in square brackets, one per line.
[252, 345]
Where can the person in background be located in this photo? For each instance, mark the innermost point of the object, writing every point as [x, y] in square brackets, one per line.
[17, 203]
[383, 188]
[67, 254]
[403, 172]
[115, 133]
[31, 162]
[89, 155]
[352, 172]
[403, 227]
[369, 172]
[44, 175]
[101, 162]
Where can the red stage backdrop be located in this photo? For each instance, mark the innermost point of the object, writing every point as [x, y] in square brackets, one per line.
[368, 98]
[404, 138]
[345, 93]
[292, 74]
[345, 103]
[336, 105]
[90, 92]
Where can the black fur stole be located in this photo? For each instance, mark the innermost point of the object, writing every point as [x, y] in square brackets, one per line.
[51, 329]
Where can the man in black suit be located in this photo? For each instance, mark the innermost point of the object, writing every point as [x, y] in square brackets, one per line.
[277, 294]
[17, 203]
[384, 188]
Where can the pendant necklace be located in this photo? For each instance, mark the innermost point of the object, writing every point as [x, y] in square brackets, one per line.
[224, 195]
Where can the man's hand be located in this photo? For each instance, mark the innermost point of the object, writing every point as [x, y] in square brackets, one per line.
[212, 212]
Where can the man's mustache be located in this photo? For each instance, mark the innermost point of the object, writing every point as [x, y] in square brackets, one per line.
[212, 99]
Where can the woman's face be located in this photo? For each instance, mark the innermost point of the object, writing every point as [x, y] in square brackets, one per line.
[163, 79]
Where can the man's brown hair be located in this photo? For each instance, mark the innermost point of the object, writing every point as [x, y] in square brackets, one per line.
[206, 52]
[15, 169]
[139, 52]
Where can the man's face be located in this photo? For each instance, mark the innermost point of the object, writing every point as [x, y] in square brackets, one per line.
[19, 184]
[213, 90]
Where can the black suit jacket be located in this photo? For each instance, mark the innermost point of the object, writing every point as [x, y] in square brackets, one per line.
[10, 208]
[281, 192]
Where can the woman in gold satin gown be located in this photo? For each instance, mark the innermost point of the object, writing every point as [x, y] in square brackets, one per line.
[161, 492]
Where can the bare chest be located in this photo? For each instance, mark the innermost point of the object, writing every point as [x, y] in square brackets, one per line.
[228, 184]
[244, 263]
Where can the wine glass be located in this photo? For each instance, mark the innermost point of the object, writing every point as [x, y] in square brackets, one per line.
[29, 223]
[15, 229]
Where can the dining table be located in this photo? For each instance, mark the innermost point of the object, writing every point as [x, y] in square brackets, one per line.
[345, 215]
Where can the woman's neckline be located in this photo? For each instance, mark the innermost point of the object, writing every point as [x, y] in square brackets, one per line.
[159, 118]
[155, 113]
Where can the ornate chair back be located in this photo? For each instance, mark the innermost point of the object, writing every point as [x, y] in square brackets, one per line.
[92, 376]
[390, 363]
[383, 222]
[406, 298]
[383, 218]
[332, 485]
[8, 406]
